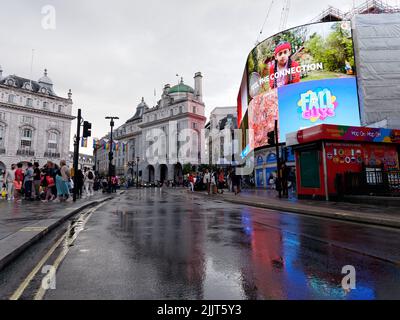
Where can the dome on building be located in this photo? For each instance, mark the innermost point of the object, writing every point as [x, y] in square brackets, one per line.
[45, 79]
[181, 88]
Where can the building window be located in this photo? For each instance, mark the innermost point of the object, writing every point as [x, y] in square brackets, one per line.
[27, 120]
[180, 109]
[52, 144]
[194, 125]
[2, 135]
[60, 109]
[2, 116]
[11, 98]
[172, 113]
[29, 102]
[45, 105]
[26, 140]
[194, 110]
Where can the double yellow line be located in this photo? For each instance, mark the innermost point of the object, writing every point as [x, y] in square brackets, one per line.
[42, 291]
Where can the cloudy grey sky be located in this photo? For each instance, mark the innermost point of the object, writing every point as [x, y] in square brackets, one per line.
[112, 53]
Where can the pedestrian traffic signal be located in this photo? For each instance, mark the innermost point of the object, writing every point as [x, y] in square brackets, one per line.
[87, 129]
[271, 138]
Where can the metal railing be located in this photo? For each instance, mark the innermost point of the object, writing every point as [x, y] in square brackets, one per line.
[52, 155]
[372, 181]
[22, 152]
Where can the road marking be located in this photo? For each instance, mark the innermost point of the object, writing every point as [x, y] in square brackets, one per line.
[33, 229]
[40, 294]
[18, 293]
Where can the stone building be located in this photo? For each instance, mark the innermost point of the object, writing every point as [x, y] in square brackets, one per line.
[35, 123]
[180, 111]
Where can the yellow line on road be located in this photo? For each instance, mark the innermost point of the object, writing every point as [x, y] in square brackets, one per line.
[41, 292]
[32, 229]
[18, 293]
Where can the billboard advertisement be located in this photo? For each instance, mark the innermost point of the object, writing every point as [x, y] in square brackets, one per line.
[301, 77]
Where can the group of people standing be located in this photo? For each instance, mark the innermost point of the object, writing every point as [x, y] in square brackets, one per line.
[52, 182]
[214, 182]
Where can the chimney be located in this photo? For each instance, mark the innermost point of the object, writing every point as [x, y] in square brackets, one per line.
[166, 89]
[198, 86]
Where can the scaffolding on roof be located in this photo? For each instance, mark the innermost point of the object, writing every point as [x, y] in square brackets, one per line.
[367, 7]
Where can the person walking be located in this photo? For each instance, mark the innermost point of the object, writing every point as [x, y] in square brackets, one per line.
[80, 178]
[221, 181]
[89, 182]
[9, 178]
[207, 181]
[191, 182]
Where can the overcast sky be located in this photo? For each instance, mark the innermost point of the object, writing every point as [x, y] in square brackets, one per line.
[112, 53]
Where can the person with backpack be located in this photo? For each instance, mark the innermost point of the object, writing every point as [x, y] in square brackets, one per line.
[89, 182]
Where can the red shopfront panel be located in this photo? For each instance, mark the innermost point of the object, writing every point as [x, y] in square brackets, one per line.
[349, 157]
[341, 158]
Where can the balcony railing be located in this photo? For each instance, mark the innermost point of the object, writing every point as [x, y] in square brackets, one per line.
[28, 153]
[52, 155]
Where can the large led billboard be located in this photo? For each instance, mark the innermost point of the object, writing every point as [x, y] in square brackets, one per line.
[301, 77]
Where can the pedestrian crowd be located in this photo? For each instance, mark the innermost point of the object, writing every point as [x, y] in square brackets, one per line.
[50, 183]
[215, 181]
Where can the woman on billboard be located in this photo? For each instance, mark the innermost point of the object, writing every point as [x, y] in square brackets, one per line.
[281, 69]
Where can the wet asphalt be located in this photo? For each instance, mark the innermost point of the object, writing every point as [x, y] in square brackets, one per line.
[169, 244]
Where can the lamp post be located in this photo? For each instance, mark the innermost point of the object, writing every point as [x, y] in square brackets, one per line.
[137, 172]
[111, 154]
[131, 166]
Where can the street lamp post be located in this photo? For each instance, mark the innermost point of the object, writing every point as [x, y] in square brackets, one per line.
[137, 172]
[131, 166]
[111, 154]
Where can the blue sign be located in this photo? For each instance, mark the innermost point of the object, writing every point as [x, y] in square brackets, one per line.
[306, 104]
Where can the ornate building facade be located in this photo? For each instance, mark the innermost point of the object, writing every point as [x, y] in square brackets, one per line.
[181, 109]
[35, 123]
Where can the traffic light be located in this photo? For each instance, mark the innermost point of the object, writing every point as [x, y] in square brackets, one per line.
[87, 129]
[271, 138]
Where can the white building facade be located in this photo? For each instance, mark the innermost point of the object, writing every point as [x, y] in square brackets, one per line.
[35, 123]
[220, 135]
[163, 138]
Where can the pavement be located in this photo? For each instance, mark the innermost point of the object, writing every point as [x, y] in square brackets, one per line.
[388, 216]
[23, 224]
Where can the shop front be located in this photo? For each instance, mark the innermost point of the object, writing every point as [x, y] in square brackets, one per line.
[333, 160]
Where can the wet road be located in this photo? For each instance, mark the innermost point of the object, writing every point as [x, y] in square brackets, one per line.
[149, 244]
